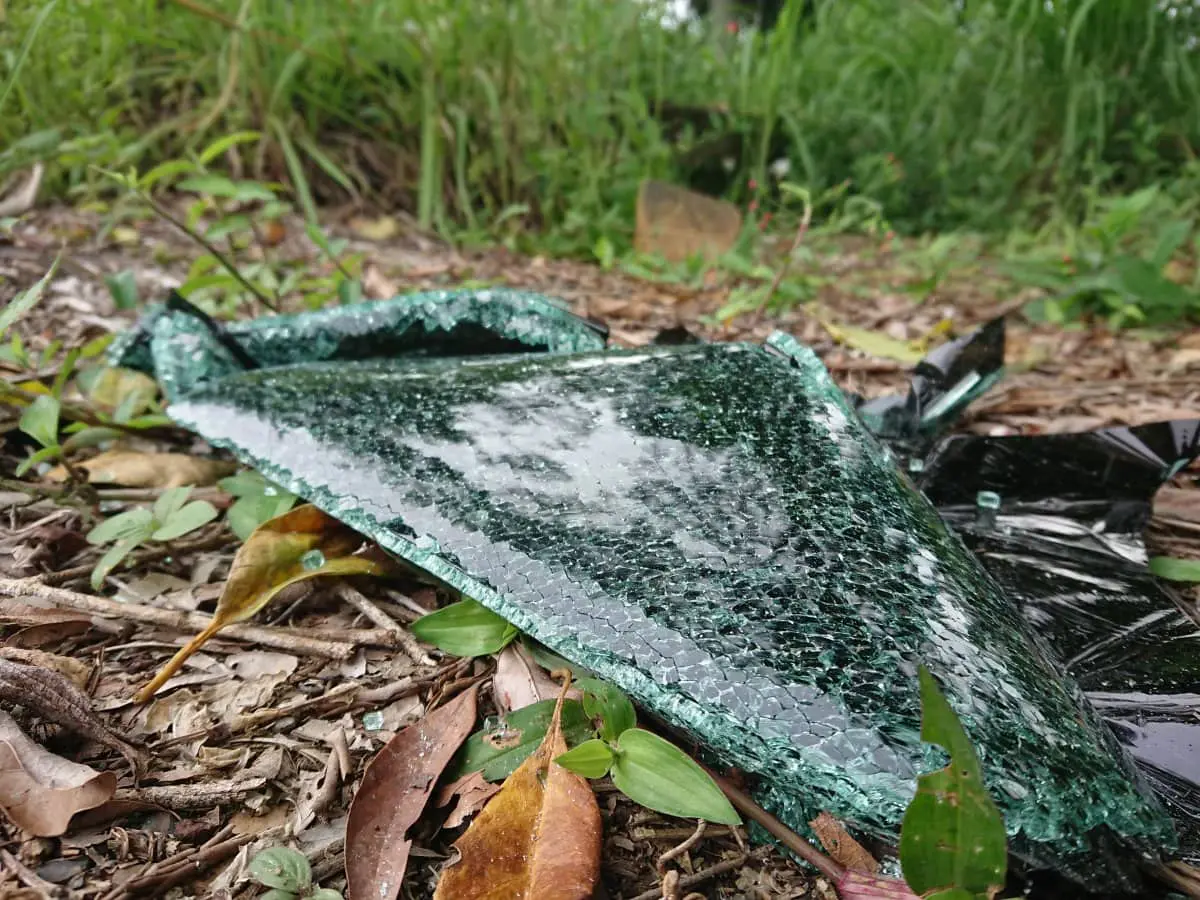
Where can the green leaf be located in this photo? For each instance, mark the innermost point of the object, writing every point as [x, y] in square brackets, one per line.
[249, 512]
[466, 628]
[324, 894]
[221, 144]
[1175, 569]
[220, 186]
[111, 559]
[952, 835]
[609, 703]
[1143, 282]
[168, 169]
[1170, 239]
[277, 894]
[26, 300]
[134, 523]
[189, 518]
[660, 776]
[40, 420]
[41, 456]
[123, 288]
[498, 748]
[170, 502]
[90, 436]
[282, 868]
[591, 759]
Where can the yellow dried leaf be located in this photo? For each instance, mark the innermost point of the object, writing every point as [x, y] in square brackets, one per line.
[538, 839]
[873, 343]
[163, 470]
[300, 544]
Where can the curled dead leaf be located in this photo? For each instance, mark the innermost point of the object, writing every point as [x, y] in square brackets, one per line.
[538, 839]
[149, 470]
[300, 544]
[472, 792]
[40, 791]
[840, 845]
[519, 681]
[393, 794]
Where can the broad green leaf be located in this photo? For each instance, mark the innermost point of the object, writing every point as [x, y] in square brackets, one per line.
[189, 518]
[132, 523]
[169, 169]
[499, 748]
[19, 305]
[46, 453]
[90, 436]
[609, 703]
[111, 559]
[281, 868]
[249, 512]
[40, 420]
[466, 628]
[170, 502]
[324, 894]
[1170, 239]
[952, 835]
[123, 288]
[591, 759]
[1175, 569]
[278, 894]
[220, 186]
[660, 776]
[1143, 282]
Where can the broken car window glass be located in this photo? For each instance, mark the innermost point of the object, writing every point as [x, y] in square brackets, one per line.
[713, 528]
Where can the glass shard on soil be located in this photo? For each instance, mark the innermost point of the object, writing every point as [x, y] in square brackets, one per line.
[713, 528]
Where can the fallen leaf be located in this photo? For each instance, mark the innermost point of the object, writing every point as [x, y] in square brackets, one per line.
[300, 544]
[76, 672]
[113, 388]
[538, 839]
[379, 229]
[254, 664]
[841, 846]
[39, 791]
[150, 470]
[873, 343]
[472, 791]
[40, 626]
[393, 793]
[519, 681]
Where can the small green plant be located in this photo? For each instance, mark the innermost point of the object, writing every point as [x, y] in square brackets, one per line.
[1116, 267]
[466, 628]
[602, 729]
[258, 500]
[1174, 569]
[953, 845]
[171, 517]
[287, 875]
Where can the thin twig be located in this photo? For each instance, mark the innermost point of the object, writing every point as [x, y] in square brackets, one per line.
[805, 221]
[713, 871]
[208, 246]
[828, 867]
[682, 848]
[368, 608]
[202, 795]
[277, 638]
[28, 878]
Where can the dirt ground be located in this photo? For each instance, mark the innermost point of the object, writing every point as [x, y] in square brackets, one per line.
[242, 743]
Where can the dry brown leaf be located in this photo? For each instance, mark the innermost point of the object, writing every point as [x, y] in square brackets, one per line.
[40, 626]
[76, 672]
[839, 844]
[149, 470]
[863, 886]
[393, 794]
[303, 543]
[519, 681]
[39, 791]
[538, 839]
[472, 791]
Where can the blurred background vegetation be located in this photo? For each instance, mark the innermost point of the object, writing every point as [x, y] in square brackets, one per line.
[1060, 128]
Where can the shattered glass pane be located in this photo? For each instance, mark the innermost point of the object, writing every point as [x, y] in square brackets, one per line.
[710, 527]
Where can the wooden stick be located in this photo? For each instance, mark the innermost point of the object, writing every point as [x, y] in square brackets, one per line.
[277, 638]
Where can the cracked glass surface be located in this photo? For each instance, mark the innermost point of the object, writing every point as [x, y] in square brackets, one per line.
[712, 528]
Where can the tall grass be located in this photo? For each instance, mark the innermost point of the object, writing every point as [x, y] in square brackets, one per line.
[547, 112]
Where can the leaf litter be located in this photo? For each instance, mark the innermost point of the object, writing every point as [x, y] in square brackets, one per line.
[210, 741]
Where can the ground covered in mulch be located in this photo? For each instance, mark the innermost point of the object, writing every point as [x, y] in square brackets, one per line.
[264, 736]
